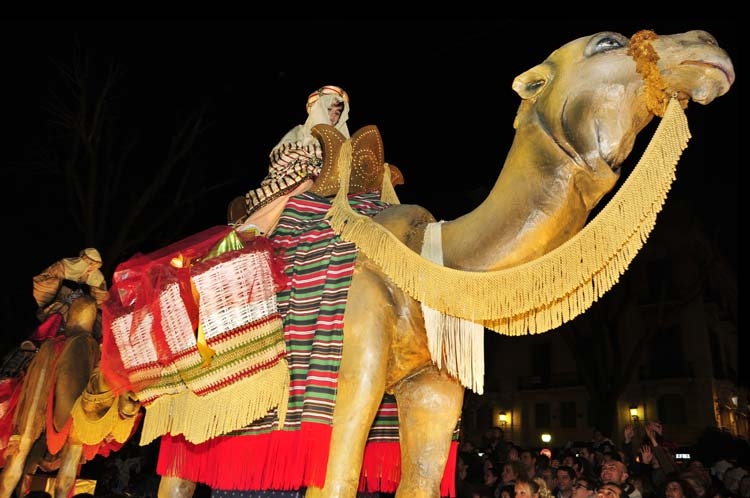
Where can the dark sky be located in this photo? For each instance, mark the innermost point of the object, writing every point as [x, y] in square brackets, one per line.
[438, 90]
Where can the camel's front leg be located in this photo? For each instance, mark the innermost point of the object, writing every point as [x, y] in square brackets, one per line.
[69, 464]
[29, 425]
[175, 487]
[361, 382]
[14, 464]
[429, 405]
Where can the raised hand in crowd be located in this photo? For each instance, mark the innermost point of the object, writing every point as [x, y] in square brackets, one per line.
[647, 454]
[654, 432]
[628, 433]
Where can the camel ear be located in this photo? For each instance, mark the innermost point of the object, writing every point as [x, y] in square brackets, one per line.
[529, 84]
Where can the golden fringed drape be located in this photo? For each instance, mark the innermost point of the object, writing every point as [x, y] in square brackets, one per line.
[204, 417]
[539, 295]
[92, 430]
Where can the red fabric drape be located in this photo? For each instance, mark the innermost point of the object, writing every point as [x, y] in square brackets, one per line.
[136, 284]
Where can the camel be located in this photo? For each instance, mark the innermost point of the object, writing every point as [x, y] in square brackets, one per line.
[581, 110]
[67, 366]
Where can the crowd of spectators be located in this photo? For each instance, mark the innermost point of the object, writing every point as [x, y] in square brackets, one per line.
[643, 465]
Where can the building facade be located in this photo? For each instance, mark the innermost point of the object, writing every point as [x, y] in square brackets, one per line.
[670, 354]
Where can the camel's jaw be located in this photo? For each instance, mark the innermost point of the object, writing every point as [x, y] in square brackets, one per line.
[700, 80]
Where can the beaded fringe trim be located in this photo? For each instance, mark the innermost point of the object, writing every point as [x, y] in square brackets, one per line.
[539, 295]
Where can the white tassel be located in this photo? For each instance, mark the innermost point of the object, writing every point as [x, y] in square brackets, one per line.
[455, 343]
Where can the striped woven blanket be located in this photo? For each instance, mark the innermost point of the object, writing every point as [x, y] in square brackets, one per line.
[273, 455]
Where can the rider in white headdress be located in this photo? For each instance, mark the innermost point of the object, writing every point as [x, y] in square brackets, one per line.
[296, 160]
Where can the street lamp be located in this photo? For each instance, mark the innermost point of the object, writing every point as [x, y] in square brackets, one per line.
[546, 438]
[634, 413]
[503, 419]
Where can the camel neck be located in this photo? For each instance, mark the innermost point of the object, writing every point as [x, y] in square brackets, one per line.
[532, 208]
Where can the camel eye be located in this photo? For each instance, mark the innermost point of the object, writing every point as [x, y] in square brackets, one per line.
[608, 43]
[605, 42]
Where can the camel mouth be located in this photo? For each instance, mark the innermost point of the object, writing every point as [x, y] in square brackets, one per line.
[729, 75]
[613, 165]
[609, 156]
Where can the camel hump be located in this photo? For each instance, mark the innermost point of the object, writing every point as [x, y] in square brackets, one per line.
[368, 163]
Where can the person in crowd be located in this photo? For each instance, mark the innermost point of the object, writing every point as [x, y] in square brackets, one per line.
[468, 446]
[599, 442]
[654, 431]
[566, 476]
[616, 472]
[732, 479]
[567, 459]
[467, 482]
[584, 487]
[492, 484]
[582, 467]
[526, 487]
[548, 475]
[511, 470]
[744, 487]
[543, 460]
[508, 491]
[610, 490]
[652, 470]
[588, 453]
[695, 467]
[514, 453]
[719, 467]
[644, 486]
[528, 459]
[698, 481]
[677, 487]
[496, 447]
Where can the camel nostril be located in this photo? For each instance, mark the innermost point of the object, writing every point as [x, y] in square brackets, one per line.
[707, 38]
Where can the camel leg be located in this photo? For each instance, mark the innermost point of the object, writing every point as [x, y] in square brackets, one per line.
[70, 461]
[361, 384]
[175, 487]
[14, 465]
[429, 405]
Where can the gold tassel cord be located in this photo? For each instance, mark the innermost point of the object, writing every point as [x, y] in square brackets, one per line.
[387, 192]
[544, 293]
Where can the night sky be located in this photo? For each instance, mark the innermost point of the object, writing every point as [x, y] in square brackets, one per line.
[438, 90]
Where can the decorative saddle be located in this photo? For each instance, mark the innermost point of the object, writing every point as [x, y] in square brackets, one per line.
[368, 166]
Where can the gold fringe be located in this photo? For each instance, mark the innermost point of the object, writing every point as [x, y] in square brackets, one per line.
[455, 343]
[200, 418]
[387, 192]
[541, 294]
[92, 431]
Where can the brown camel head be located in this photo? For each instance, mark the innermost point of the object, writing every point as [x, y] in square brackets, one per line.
[591, 102]
[81, 316]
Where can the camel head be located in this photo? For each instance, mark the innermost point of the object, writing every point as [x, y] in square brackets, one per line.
[591, 102]
[81, 315]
